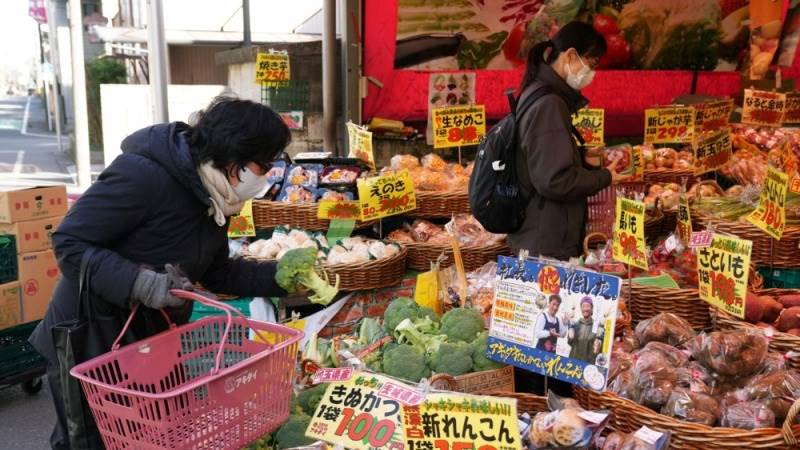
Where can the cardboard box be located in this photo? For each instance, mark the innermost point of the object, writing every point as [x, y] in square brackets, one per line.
[10, 299]
[38, 274]
[32, 235]
[34, 203]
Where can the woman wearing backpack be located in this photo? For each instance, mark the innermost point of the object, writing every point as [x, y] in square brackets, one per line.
[550, 165]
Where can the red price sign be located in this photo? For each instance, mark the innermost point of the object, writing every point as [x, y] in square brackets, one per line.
[723, 269]
[456, 126]
[763, 108]
[669, 125]
[770, 215]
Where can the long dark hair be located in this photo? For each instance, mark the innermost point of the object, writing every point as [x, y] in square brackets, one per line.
[578, 35]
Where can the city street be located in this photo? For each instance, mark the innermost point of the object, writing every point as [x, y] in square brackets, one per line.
[26, 420]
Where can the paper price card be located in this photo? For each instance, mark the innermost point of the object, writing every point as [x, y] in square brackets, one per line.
[359, 414]
[590, 123]
[669, 125]
[273, 68]
[338, 209]
[684, 228]
[456, 126]
[722, 271]
[628, 245]
[791, 109]
[770, 215]
[462, 422]
[360, 143]
[554, 320]
[242, 224]
[386, 195]
[763, 108]
[794, 186]
[712, 150]
[712, 116]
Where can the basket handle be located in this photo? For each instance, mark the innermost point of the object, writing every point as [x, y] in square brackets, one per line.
[788, 433]
[589, 238]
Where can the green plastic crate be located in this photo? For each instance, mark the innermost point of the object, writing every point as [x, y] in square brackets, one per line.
[200, 311]
[17, 356]
[780, 278]
[8, 258]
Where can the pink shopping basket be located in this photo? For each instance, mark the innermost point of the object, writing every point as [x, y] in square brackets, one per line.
[205, 385]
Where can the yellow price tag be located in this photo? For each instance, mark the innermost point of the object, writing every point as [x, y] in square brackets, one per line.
[684, 220]
[669, 125]
[712, 116]
[360, 144]
[338, 209]
[456, 126]
[242, 224]
[273, 68]
[590, 123]
[763, 108]
[386, 195]
[628, 245]
[723, 269]
[795, 185]
[712, 151]
[770, 215]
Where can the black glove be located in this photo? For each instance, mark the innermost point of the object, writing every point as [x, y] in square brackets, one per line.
[152, 288]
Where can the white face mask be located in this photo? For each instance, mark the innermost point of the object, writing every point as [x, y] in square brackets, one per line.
[581, 79]
[250, 185]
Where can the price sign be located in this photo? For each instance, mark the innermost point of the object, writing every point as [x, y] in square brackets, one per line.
[712, 116]
[795, 184]
[456, 126]
[338, 209]
[590, 123]
[763, 108]
[684, 220]
[354, 414]
[791, 109]
[386, 195]
[462, 422]
[272, 69]
[723, 269]
[770, 215]
[628, 244]
[712, 150]
[701, 239]
[242, 224]
[360, 141]
[669, 125]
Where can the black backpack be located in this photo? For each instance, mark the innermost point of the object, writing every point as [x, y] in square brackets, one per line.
[495, 197]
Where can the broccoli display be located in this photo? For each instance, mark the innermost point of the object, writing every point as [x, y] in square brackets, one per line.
[462, 324]
[452, 358]
[479, 360]
[298, 268]
[308, 399]
[398, 310]
[293, 432]
[405, 362]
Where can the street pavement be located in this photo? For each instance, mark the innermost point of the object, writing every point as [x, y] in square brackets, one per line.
[26, 421]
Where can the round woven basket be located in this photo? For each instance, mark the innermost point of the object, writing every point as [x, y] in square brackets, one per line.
[766, 251]
[667, 175]
[528, 403]
[779, 342]
[432, 205]
[421, 255]
[268, 215]
[629, 416]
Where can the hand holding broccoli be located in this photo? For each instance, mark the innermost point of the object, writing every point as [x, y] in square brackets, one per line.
[297, 268]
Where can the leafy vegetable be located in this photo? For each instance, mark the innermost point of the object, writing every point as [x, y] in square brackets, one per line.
[462, 324]
[308, 399]
[420, 334]
[293, 432]
[369, 331]
[452, 358]
[297, 268]
[405, 362]
[479, 360]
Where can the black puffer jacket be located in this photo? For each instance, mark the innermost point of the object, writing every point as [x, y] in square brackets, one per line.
[148, 208]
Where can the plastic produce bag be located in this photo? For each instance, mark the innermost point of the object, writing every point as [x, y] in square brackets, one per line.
[731, 353]
[643, 439]
[566, 427]
[667, 328]
[748, 416]
[695, 407]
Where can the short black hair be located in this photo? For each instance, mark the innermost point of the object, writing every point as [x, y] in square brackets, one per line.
[232, 131]
[555, 297]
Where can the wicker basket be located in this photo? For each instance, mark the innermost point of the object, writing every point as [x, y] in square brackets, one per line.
[766, 251]
[528, 403]
[667, 175]
[421, 255]
[432, 205]
[268, 215]
[779, 342]
[629, 416]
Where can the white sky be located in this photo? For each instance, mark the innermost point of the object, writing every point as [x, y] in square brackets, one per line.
[19, 41]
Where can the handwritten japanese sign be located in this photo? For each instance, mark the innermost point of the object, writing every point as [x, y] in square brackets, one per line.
[714, 115]
[590, 123]
[763, 108]
[386, 195]
[338, 209]
[701, 239]
[791, 109]
[795, 184]
[770, 215]
[272, 69]
[712, 150]
[360, 143]
[567, 341]
[667, 125]
[723, 269]
[354, 414]
[242, 224]
[462, 422]
[684, 228]
[628, 244]
[455, 126]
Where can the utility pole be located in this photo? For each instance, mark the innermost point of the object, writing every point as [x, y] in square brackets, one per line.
[329, 75]
[247, 41]
[82, 156]
[157, 61]
[53, 39]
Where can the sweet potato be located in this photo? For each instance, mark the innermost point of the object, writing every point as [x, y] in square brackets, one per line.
[789, 300]
[753, 308]
[789, 319]
[772, 309]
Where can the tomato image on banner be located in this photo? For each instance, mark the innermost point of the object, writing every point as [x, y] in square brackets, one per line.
[549, 280]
